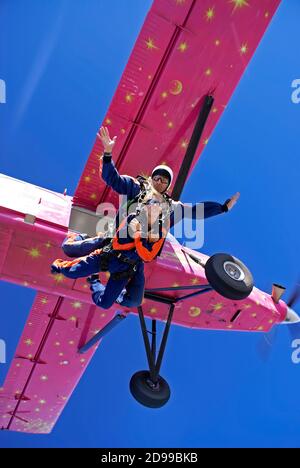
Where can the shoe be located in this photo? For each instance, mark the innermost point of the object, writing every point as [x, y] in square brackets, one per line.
[95, 284]
[93, 278]
[120, 298]
[54, 270]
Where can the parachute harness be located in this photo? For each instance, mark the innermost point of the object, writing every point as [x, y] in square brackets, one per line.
[146, 193]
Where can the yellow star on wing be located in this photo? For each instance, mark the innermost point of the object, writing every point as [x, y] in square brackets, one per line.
[218, 306]
[244, 48]
[129, 98]
[73, 318]
[184, 144]
[239, 4]
[150, 44]
[29, 342]
[182, 47]
[59, 278]
[195, 281]
[209, 14]
[34, 253]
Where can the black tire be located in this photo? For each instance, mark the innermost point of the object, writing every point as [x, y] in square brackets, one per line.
[229, 276]
[143, 390]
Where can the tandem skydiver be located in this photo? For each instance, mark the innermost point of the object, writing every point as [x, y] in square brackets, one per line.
[138, 190]
[138, 239]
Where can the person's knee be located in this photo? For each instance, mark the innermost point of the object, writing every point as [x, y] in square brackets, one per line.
[70, 274]
[101, 301]
[106, 302]
[70, 250]
[131, 302]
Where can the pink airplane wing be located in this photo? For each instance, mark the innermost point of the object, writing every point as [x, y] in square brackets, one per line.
[46, 367]
[186, 50]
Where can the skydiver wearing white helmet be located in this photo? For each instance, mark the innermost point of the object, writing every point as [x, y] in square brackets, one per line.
[141, 189]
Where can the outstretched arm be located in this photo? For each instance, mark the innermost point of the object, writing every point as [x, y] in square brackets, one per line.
[124, 185]
[209, 209]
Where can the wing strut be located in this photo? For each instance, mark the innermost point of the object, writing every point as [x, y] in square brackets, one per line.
[109, 326]
[192, 147]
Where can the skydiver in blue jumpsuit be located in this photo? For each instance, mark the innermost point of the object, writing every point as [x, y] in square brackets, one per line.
[161, 179]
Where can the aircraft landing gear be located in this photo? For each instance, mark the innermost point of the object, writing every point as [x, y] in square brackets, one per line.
[148, 393]
[148, 387]
[229, 276]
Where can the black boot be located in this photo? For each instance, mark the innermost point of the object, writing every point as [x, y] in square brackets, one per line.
[93, 278]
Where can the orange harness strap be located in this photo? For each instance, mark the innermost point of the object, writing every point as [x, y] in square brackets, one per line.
[115, 243]
[146, 254]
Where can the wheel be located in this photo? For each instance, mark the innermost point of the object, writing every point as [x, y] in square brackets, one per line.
[147, 393]
[229, 276]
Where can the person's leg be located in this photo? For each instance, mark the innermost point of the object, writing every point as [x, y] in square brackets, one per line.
[79, 245]
[135, 289]
[78, 268]
[105, 296]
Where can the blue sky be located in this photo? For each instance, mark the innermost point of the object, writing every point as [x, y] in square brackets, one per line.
[61, 62]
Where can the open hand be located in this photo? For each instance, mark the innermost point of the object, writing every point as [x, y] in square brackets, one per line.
[233, 200]
[107, 143]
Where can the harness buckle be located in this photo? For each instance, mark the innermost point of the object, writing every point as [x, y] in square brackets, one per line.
[106, 248]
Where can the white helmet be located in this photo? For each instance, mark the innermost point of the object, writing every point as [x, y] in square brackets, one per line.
[165, 171]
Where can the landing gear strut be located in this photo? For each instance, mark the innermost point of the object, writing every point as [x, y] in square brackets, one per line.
[148, 387]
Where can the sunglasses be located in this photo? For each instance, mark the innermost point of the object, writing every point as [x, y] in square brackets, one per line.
[161, 179]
